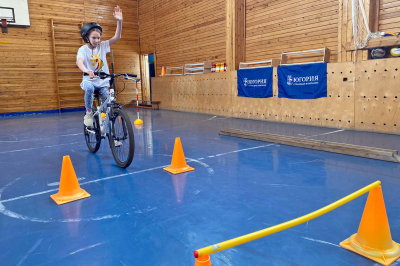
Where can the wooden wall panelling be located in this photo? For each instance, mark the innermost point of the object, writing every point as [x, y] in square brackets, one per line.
[68, 95]
[146, 26]
[168, 95]
[204, 89]
[349, 30]
[175, 89]
[273, 111]
[230, 8]
[341, 31]
[256, 24]
[185, 89]
[340, 101]
[189, 97]
[178, 86]
[389, 16]
[240, 32]
[186, 92]
[27, 69]
[210, 89]
[162, 91]
[55, 62]
[347, 106]
[374, 12]
[289, 26]
[207, 86]
[31, 51]
[174, 86]
[371, 9]
[300, 111]
[197, 104]
[229, 94]
[242, 106]
[232, 93]
[184, 31]
[145, 82]
[220, 93]
[377, 96]
[345, 27]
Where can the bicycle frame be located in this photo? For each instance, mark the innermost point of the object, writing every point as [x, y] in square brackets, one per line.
[107, 106]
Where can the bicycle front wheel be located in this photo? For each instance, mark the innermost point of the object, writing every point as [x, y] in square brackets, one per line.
[122, 140]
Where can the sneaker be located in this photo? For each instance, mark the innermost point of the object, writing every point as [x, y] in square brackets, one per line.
[88, 120]
[117, 143]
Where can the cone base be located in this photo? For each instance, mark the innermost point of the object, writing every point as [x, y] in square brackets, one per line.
[175, 171]
[65, 199]
[138, 122]
[384, 257]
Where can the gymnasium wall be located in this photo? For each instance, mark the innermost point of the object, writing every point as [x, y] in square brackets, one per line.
[195, 30]
[183, 32]
[279, 26]
[389, 15]
[372, 103]
[27, 71]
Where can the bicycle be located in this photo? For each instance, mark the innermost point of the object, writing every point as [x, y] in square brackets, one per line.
[114, 124]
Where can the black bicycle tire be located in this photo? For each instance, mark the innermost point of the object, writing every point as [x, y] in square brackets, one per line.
[96, 128]
[125, 117]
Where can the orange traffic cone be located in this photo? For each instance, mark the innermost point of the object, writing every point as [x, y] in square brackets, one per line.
[69, 189]
[203, 261]
[178, 163]
[373, 239]
[163, 71]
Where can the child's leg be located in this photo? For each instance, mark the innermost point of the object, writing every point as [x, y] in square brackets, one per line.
[89, 90]
[103, 93]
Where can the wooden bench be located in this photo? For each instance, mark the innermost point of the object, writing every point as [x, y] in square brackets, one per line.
[155, 105]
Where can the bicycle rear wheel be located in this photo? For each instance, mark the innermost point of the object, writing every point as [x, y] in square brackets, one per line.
[122, 141]
[92, 135]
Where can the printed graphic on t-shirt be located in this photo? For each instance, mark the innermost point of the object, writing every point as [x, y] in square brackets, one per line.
[97, 61]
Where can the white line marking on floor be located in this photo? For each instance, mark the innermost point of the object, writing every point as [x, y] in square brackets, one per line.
[82, 249]
[252, 148]
[42, 147]
[30, 251]
[58, 183]
[320, 241]
[325, 133]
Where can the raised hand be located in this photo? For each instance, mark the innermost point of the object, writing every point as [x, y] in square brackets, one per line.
[117, 13]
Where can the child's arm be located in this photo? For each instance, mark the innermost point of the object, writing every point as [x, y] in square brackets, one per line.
[118, 16]
[84, 69]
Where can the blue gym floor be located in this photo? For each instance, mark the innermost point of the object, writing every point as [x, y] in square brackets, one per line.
[143, 215]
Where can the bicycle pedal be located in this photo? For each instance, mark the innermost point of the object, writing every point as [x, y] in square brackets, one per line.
[117, 143]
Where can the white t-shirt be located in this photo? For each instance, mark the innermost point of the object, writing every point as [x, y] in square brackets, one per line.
[95, 60]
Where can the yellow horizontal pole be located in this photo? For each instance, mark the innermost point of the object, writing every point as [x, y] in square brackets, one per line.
[283, 226]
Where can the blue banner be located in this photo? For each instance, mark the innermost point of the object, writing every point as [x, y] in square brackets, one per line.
[255, 83]
[302, 81]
